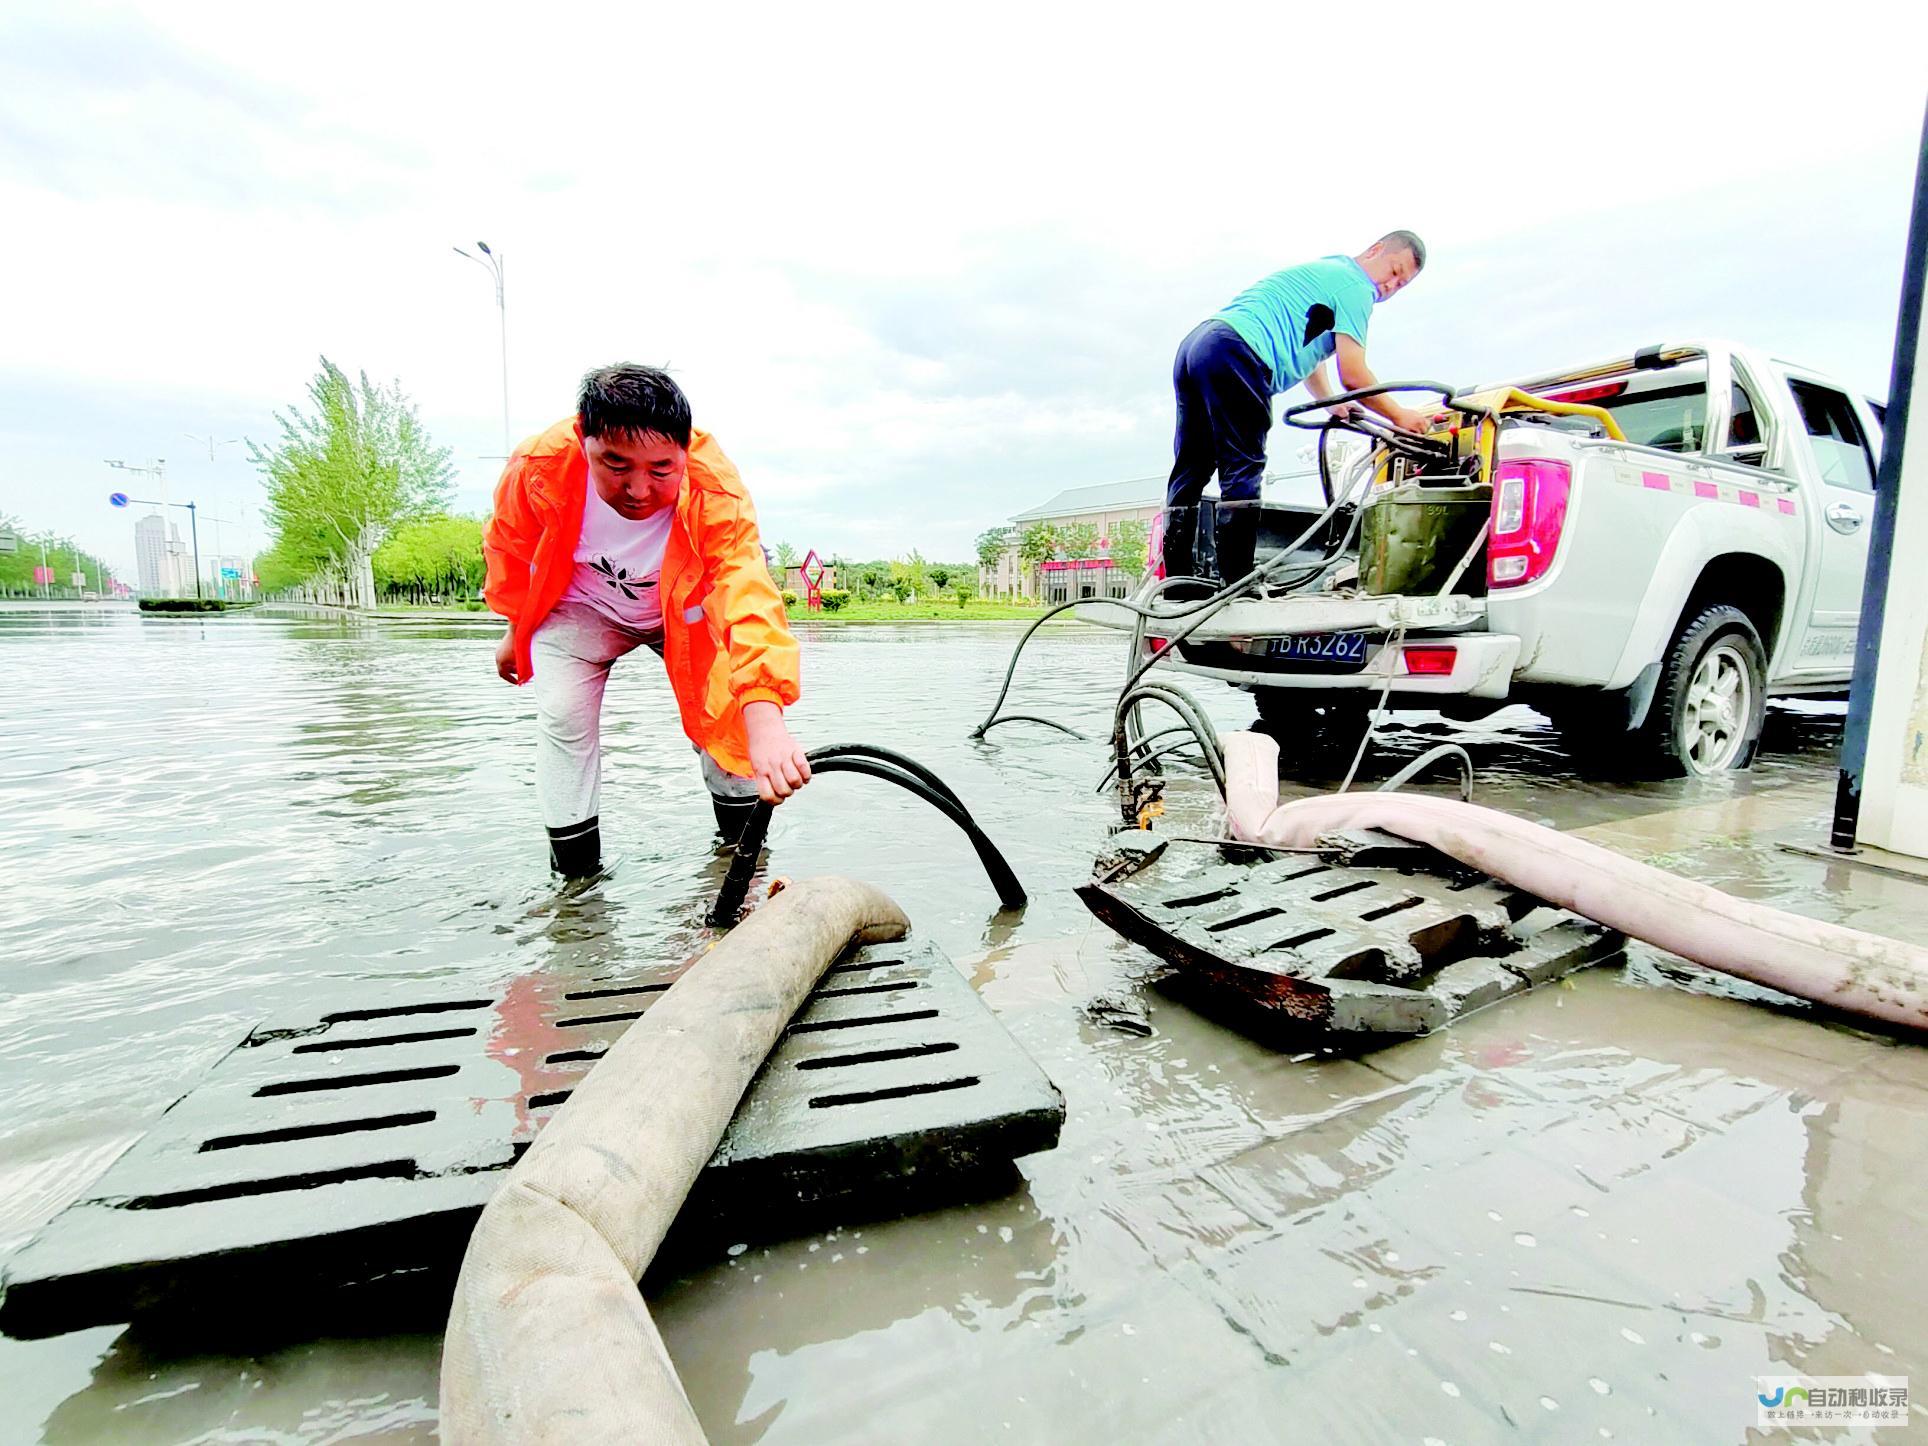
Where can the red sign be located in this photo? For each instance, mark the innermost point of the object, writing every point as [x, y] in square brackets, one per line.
[43, 575]
[1076, 564]
[813, 581]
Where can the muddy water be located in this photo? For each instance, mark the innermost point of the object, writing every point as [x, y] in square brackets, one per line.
[1593, 1213]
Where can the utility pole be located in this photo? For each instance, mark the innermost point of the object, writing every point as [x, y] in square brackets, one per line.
[493, 265]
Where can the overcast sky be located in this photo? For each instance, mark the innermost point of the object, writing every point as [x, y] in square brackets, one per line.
[916, 268]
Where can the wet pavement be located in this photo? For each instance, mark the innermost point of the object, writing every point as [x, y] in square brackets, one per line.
[1594, 1212]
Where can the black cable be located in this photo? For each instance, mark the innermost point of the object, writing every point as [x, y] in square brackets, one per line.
[1169, 750]
[1186, 707]
[888, 755]
[891, 767]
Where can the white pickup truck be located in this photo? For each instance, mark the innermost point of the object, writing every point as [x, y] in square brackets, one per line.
[1648, 595]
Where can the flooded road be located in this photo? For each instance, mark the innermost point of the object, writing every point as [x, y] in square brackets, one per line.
[1595, 1212]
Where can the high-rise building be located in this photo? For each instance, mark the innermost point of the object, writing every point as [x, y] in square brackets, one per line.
[150, 554]
[160, 560]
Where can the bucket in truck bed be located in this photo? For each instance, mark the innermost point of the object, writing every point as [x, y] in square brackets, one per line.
[1413, 536]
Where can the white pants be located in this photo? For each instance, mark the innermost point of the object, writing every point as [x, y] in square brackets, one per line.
[572, 651]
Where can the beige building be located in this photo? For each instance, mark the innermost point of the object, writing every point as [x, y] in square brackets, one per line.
[1062, 578]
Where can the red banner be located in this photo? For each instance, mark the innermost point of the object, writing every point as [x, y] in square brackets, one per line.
[42, 575]
[1076, 564]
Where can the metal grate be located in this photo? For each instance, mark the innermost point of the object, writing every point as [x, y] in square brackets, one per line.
[361, 1146]
[1305, 943]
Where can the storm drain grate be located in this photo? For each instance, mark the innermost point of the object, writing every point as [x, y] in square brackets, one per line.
[363, 1146]
[1339, 948]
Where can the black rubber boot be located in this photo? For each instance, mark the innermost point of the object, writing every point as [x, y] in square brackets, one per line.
[1180, 555]
[575, 851]
[731, 815]
[1238, 535]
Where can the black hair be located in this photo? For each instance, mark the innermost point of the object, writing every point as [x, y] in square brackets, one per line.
[1410, 241]
[632, 400]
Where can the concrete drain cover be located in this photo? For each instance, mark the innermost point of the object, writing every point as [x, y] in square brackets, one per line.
[1397, 942]
[356, 1151]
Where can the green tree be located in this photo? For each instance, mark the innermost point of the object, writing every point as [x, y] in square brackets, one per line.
[303, 561]
[437, 554]
[941, 575]
[1038, 543]
[1129, 547]
[786, 556]
[1080, 539]
[991, 545]
[62, 556]
[911, 577]
[346, 474]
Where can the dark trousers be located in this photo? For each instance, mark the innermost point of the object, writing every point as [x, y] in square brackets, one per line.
[1224, 395]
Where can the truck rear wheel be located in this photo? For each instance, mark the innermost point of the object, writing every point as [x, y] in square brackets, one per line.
[1712, 697]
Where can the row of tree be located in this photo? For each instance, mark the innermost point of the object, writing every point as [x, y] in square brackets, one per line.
[1125, 543]
[60, 554]
[347, 475]
[904, 578]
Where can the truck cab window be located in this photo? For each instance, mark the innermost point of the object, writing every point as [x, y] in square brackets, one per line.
[1834, 436]
[1672, 418]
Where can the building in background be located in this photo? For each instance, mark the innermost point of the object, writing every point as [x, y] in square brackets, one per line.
[161, 562]
[1090, 516]
[231, 576]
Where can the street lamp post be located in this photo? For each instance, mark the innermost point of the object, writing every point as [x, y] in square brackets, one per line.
[493, 265]
[212, 442]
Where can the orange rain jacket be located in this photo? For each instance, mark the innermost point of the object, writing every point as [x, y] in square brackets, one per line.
[725, 640]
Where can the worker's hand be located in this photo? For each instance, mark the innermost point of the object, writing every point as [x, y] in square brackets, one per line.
[1339, 411]
[1417, 422]
[505, 658]
[776, 759]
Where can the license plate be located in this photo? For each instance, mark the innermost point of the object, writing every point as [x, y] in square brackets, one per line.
[1322, 652]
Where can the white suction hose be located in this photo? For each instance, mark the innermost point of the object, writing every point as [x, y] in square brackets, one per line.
[1842, 968]
[548, 1339]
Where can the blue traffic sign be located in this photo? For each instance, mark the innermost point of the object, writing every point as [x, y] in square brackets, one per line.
[119, 499]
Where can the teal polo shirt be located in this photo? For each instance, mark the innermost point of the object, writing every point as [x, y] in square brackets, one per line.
[1293, 318]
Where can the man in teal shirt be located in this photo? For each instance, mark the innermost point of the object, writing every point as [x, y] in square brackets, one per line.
[1272, 336]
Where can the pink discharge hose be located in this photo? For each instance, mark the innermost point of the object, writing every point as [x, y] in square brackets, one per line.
[1845, 969]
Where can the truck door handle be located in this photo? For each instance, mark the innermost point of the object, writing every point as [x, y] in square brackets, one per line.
[1843, 517]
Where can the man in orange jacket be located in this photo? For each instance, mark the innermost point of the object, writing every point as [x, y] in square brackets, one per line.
[623, 527]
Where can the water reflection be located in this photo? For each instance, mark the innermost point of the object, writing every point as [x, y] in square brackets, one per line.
[1622, 1198]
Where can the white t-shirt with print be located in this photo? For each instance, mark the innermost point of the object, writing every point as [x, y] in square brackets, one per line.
[618, 562]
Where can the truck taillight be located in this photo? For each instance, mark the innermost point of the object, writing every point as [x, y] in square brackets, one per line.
[1431, 661]
[1529, 510]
